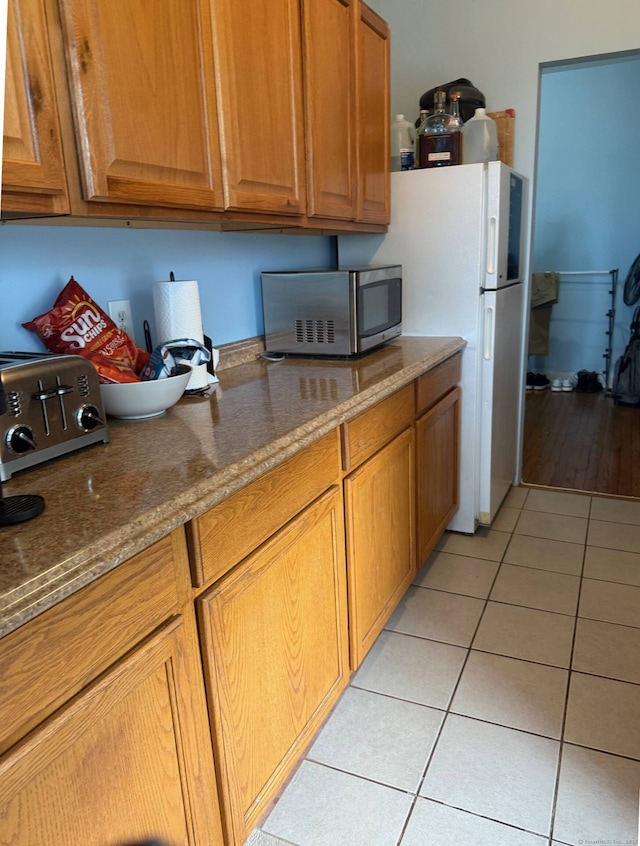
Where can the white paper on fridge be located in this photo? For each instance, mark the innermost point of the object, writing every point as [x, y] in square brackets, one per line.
[176, 304]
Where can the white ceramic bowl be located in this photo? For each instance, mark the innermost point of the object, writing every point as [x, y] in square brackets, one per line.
[139, 400]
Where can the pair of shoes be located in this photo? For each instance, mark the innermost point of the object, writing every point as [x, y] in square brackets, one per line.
[588, 382]
[540, 382]
[564, 385]
[530, 380]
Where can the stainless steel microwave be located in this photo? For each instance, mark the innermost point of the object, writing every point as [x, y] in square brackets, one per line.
[331, 312]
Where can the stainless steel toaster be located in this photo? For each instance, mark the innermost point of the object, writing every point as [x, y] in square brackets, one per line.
[50, 405]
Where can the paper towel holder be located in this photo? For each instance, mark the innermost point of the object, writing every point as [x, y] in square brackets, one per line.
[207, 340]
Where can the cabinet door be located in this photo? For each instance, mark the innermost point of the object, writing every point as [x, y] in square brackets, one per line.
[33, 174]
[437, 471]
[329, 95]
[372, 70]
[259, 65]
[142, 89]
[123, 762]
[275, 648]
[379, 500]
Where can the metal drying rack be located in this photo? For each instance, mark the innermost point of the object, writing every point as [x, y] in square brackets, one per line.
[610, 315]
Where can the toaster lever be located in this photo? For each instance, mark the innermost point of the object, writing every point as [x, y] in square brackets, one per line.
[43, 395]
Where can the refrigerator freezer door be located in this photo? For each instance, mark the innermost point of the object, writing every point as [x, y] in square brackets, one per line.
[504, 227]
[500, 376]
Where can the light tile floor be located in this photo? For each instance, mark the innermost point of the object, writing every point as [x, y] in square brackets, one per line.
[501, 704]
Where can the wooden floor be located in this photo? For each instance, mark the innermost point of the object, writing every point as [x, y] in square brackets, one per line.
[581, 442]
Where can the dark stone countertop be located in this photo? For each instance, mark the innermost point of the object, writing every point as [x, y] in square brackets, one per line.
[108, 502]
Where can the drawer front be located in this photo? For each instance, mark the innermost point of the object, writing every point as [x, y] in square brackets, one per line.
[53, 656]
[435, 383]
[371, 430]
[227, 533]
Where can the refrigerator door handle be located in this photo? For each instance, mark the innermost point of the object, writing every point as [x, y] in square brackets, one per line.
[489, 326]
[492, 245]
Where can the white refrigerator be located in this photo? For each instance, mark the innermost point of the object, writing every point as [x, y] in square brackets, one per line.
[458, 233]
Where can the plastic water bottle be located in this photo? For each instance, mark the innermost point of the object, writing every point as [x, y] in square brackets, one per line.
[403, 144]
[480, 138]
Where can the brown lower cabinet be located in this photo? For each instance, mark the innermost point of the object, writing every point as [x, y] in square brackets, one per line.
[172, 697]
[275, 651]
[125, 759]
[437, 452]
[437, 471]
[381, 558]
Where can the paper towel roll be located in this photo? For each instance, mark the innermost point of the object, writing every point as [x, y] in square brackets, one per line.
[176, 304]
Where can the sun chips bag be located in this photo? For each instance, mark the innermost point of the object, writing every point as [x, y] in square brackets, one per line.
[77, 325]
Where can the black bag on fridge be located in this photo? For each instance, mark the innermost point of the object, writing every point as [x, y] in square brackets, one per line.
[626, 377]
[470, 97]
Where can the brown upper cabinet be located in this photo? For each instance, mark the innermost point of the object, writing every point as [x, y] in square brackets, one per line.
[346, 72]
[207, 111]
[259, 74]
[372, 117]
[33, 176]
[142, 91]
[329, 87]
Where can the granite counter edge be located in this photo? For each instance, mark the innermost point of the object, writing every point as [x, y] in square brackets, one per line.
[151, 526]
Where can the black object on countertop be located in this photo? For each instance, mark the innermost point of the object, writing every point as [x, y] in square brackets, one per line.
[18, 509]
[147, 336]
[209, 345]
[470, 97]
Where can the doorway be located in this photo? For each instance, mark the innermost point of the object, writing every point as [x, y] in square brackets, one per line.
[586, 224]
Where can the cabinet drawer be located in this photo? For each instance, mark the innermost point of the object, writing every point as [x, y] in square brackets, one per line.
[227, 533]
[436, 382]
[372, 429]
[50, 658]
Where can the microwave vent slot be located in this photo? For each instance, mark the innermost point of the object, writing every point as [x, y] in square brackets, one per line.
[315, 332]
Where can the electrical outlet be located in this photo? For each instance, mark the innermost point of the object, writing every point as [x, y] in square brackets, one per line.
[120, 313]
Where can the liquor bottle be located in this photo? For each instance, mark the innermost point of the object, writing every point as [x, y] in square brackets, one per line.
[403, 144]
[455, 107]
[440, 138]
[423, 115]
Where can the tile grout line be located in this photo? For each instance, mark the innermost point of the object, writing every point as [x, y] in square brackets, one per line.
[556, 789]
[448, 711]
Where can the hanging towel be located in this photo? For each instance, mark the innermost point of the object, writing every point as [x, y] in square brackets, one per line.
[544, 293]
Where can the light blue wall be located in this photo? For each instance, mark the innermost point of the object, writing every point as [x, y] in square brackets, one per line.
[37, 261]
[587, 211]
